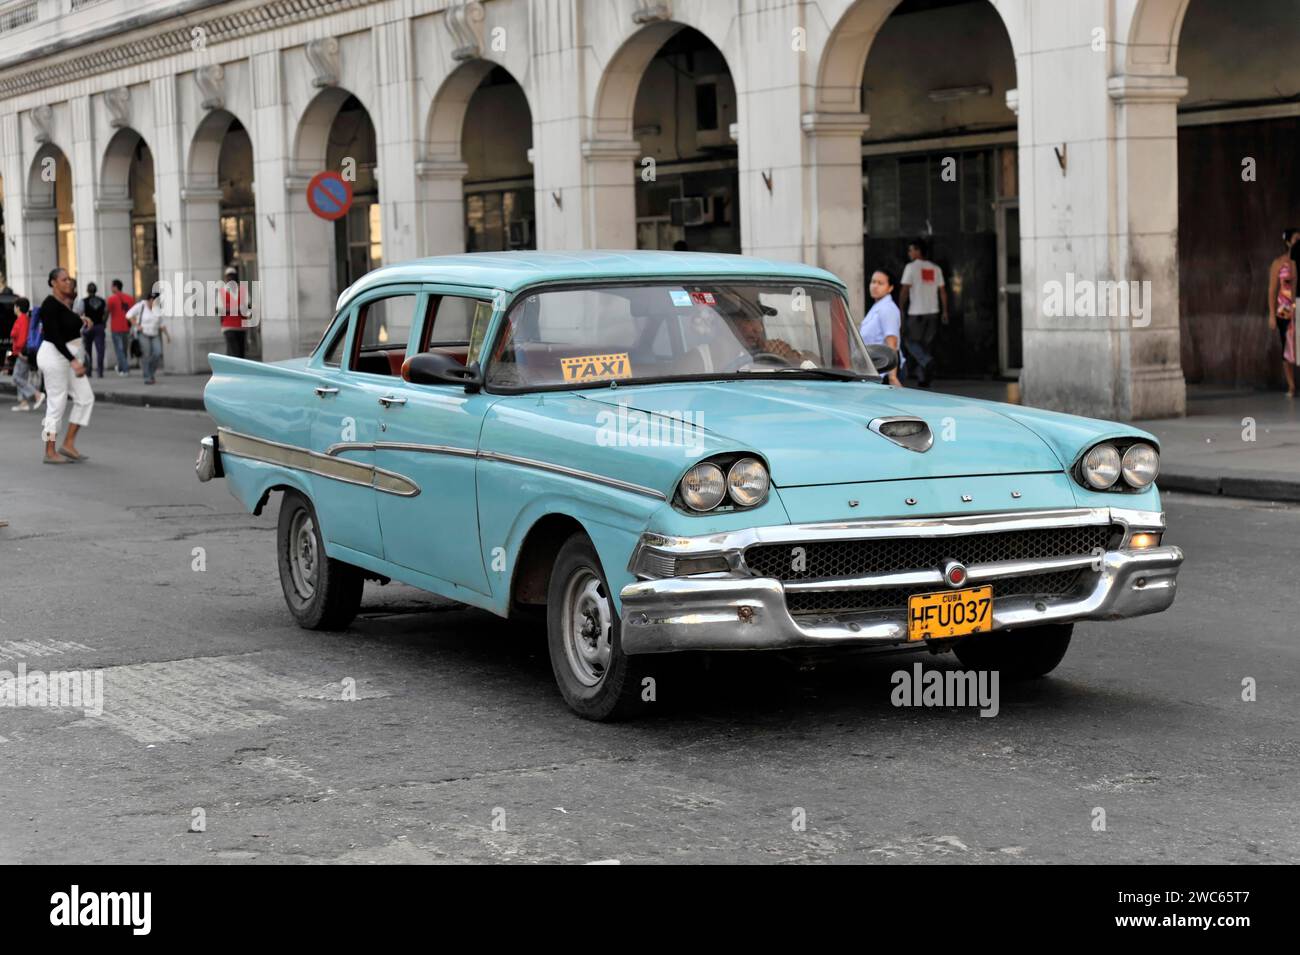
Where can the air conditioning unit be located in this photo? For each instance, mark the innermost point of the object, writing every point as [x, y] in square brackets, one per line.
[692, 210]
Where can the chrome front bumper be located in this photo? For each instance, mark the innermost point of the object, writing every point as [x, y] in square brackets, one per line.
[732, 611]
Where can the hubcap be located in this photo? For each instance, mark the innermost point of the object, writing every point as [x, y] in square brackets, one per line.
[588, 627]
[304, 565]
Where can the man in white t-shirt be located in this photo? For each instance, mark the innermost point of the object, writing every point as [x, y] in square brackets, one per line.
[924, 300]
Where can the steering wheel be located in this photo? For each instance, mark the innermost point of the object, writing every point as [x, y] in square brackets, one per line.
[755, 359]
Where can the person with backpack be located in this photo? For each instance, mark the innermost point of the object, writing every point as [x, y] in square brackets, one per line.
[30, 397]
[93, 307]
[61, 359]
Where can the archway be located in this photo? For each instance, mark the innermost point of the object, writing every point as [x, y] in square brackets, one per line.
[477, 176]
[1238, 129]
[220, 218]
[127, 215]
[940, 165]
[335, 133]
[683, 117]
[50, 227]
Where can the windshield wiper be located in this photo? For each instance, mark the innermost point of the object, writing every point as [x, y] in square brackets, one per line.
[839, 374]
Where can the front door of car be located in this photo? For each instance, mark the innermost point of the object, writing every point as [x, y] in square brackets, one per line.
[343, 413]
[429, 433]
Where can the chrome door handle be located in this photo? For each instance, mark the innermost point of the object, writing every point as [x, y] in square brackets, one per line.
[322, 391]
[388, 400]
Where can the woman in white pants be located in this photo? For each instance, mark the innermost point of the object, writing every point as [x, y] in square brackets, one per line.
[61, 360]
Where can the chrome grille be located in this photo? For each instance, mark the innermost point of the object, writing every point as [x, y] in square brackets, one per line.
[816, 602]
[859, 558]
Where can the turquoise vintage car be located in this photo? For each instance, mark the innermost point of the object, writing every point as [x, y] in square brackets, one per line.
[673, 451]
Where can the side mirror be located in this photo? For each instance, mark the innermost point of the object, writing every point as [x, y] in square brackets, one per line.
[883, 357]
[431, 368]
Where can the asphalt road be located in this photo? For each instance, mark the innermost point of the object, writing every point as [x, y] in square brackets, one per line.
[216, 702]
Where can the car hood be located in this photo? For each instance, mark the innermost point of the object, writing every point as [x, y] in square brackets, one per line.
[815, 432]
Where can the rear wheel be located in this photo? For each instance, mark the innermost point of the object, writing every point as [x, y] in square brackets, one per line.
[322, 593]
[596, 678]
[1016, 654]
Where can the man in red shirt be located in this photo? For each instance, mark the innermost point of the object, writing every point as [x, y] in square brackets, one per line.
[118, 304]
[234, 306]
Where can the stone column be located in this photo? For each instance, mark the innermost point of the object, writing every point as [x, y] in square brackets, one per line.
[1099, 219]
[1146, 241]
[188, 231]
[200, 258]
[83, 153]
[610, 177]
[555, 96]
[834, 176]
[397, 142]
[442, 205]
[113, 215]
[275, 299]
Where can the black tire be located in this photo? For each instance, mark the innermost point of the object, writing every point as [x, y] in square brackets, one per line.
[1016, 654]
[322, 593]
[616, 692]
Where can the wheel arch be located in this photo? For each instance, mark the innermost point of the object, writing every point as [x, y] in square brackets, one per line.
[531, 575]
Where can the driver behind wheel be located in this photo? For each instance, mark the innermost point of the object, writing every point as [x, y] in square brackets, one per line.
[753, 335]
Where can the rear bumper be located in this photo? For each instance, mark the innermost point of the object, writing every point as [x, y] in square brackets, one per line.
[208, 465]
[734, 613]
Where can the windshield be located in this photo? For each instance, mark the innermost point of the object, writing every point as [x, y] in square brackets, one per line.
[661, 332]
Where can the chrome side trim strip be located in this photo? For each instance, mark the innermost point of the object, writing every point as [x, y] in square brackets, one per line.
[344, 446]
[392, 483]
[573, 473]
[301, 459]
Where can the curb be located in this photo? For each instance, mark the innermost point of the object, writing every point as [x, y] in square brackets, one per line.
[1243, 486]
[137, 399]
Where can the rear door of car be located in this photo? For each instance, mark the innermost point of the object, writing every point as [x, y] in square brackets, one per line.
[429, 434]
[356, 369]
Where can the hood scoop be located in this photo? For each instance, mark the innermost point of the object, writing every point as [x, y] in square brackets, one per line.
[906, 432]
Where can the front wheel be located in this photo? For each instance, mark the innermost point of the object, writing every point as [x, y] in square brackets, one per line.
[596, 678]
[1016, 654]
[322, 593]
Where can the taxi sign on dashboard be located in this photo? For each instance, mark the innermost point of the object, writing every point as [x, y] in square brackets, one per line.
[596, 367]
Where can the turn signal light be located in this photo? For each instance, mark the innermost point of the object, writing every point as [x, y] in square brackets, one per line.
[1143, 540]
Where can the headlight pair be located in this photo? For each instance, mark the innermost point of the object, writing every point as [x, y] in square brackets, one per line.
[705, 486]
[1103, 466]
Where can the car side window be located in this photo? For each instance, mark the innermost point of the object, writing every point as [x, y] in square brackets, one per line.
[333, 357]
[383, 329]
[454, 323]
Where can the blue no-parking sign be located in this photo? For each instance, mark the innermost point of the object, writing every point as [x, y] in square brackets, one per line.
[329, 195]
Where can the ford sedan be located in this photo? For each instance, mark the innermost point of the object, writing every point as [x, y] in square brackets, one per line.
[664, 452]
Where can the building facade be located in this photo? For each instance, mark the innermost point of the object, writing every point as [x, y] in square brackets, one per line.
[1044, 149]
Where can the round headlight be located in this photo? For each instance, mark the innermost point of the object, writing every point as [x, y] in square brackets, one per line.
[703, 488]
[1141, 465]
[747, 481]
[1101, 466]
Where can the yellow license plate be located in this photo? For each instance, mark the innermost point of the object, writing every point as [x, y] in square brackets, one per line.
[951, 613]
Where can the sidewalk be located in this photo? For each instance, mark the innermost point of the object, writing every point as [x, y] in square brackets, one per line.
[172, 391]
[1213, 450]
[1208, 452]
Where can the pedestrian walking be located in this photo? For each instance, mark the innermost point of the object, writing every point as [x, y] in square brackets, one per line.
[147, 319]
[234, 305]
[61, 359]
[93, 308]
[883, 324]
[119, 303]
[924, 300]
[26, 379]
[1282, 304]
